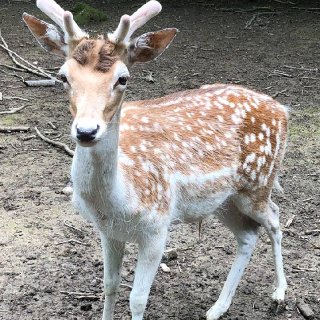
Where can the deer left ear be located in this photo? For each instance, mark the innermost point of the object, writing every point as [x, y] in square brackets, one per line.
[150, 45]
[49, 37]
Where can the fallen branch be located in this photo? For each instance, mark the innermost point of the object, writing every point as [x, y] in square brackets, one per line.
[55, 143]
[32, 69]
[13, 129]
[40, 83]
[14, 110]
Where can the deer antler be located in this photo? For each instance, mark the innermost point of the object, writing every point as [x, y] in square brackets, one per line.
[129, 24]
[63, 19]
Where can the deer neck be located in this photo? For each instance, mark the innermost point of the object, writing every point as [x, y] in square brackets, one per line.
[96, 168]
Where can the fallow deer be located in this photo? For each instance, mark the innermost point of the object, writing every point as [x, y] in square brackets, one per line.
[139, 165]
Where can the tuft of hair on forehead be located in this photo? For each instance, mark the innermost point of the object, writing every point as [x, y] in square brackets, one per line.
[83, 50]
[107, 57]
[100, 54]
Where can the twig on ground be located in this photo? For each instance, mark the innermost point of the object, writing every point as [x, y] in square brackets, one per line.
[71, 241]
[72, 227]
[13, 98]
[280, 73]
[302, 68]
[313, 232]
[297, 268]
[11, 67]
[289, 221]
[31, 68]
[14, 110]
[26, 68]
[250, 21]
[178, 264]
[55, 143]
[14, 129]
[81, 295]
[28, 137]
[306, 9]
[12, 74]
[279, 92]
[285, 2]
[52, 125]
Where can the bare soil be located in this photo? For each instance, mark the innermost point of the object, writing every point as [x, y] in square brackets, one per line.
[45, 274]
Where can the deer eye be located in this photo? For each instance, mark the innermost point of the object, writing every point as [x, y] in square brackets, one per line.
[123, 80]
[63, 78]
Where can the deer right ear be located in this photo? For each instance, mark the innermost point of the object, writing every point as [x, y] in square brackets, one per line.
[48, 36]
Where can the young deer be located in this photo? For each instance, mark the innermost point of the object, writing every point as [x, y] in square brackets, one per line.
[139, 165]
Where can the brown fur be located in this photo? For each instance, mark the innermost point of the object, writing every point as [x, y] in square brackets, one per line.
[179, 152]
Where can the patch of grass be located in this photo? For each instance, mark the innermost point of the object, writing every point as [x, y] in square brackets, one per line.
[84, 13]
[10, 120]
[305, 124]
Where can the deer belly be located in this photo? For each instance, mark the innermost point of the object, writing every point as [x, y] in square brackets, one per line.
[195, 201]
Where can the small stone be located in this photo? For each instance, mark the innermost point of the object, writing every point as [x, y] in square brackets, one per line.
[305, 309]
[164, 267]
[67, 190]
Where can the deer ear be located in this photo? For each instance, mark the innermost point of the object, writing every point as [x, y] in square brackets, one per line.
[150, 45]
[49, 37]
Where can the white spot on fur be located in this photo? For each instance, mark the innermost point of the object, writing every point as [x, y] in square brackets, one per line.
[220, 118]
[261, 136]
[252, 137]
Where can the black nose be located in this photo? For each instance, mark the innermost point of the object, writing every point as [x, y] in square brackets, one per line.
[86, 134]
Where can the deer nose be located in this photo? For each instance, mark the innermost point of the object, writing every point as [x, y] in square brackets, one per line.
[86, 134]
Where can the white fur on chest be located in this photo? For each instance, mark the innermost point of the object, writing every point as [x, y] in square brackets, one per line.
[104, 200]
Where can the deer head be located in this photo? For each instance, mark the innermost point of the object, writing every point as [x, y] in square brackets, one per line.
[96, 71]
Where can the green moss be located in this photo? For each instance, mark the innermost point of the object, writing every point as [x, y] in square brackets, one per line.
[84, 13]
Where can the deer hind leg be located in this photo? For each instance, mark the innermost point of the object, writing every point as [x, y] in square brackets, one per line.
[272, 225]
[245, 231]
[269, 219]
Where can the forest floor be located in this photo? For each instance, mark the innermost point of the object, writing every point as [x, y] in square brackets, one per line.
[49, 270]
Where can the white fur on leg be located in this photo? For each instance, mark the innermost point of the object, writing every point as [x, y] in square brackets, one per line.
[150, 253]
[246, 244]
[113, 252]
[272, 226]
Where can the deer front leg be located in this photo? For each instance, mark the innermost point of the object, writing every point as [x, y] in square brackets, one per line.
[149, 257]
[113, 252]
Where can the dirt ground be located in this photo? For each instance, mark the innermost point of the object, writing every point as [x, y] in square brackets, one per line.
[49, 270]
